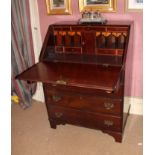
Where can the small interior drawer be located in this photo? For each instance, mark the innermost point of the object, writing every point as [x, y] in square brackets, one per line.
[58, 49]
[117, 29]
[114, 52]
[60, 28]
[73, 50]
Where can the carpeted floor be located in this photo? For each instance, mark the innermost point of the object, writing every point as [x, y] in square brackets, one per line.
[32, 135]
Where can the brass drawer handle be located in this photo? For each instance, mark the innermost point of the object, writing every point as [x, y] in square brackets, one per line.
[58, 114]
[108, 105]
[56, 98]
[109, 92]
[63, 82]
[108, 123]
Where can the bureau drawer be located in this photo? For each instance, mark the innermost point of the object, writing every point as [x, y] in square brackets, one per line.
[92, 92]
[73, 50]
[87, 119]
[84, 102]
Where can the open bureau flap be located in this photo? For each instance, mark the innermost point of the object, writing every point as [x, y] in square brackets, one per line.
[74, 74]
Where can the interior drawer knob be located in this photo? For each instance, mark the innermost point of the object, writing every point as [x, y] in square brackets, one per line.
[83, 43]
[58, 114]
[56, 98]
[108, 105]
[108, 123]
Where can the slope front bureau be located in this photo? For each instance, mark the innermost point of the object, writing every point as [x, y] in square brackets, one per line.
[82, 68]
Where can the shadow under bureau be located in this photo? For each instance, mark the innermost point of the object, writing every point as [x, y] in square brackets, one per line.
[82, 68]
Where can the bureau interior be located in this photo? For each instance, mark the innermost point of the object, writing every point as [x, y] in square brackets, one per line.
[103, 44]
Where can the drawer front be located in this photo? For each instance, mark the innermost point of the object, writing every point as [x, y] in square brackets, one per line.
[73, 50]
[84, 102]
[59, 49]
[61, 28]
[65, 88]
[117, 29]
[87, 119]
[77, 28]
[109, 52]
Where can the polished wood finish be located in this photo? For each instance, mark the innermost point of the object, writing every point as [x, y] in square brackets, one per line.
[75, 74]
[82, 68]
[78, 117]
[83, 100]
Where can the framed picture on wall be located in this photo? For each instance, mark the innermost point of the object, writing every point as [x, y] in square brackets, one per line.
[58, 7]
[97, 5]
[134, 5]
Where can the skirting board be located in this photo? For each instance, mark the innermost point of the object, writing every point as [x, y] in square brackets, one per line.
[136, 103]
[39, 94]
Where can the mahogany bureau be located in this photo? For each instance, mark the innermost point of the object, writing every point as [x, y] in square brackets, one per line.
[82, 68]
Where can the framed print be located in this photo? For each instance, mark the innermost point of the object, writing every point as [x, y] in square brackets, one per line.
[97, 5]
[134, 5]
[58, 7]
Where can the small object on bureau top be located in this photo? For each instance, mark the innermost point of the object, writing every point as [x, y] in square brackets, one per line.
[93, 17]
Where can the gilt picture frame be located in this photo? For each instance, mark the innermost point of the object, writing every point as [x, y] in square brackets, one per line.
[133, 5]
[58, 7]
[98, 5]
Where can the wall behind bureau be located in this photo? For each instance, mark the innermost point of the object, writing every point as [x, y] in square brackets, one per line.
[134, 74]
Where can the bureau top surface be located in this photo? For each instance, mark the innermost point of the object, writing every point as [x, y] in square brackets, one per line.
[117, 22]
[74, 74]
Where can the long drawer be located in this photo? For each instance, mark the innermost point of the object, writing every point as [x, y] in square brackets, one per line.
[92, 92]
[84, 102]
[88, 119]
